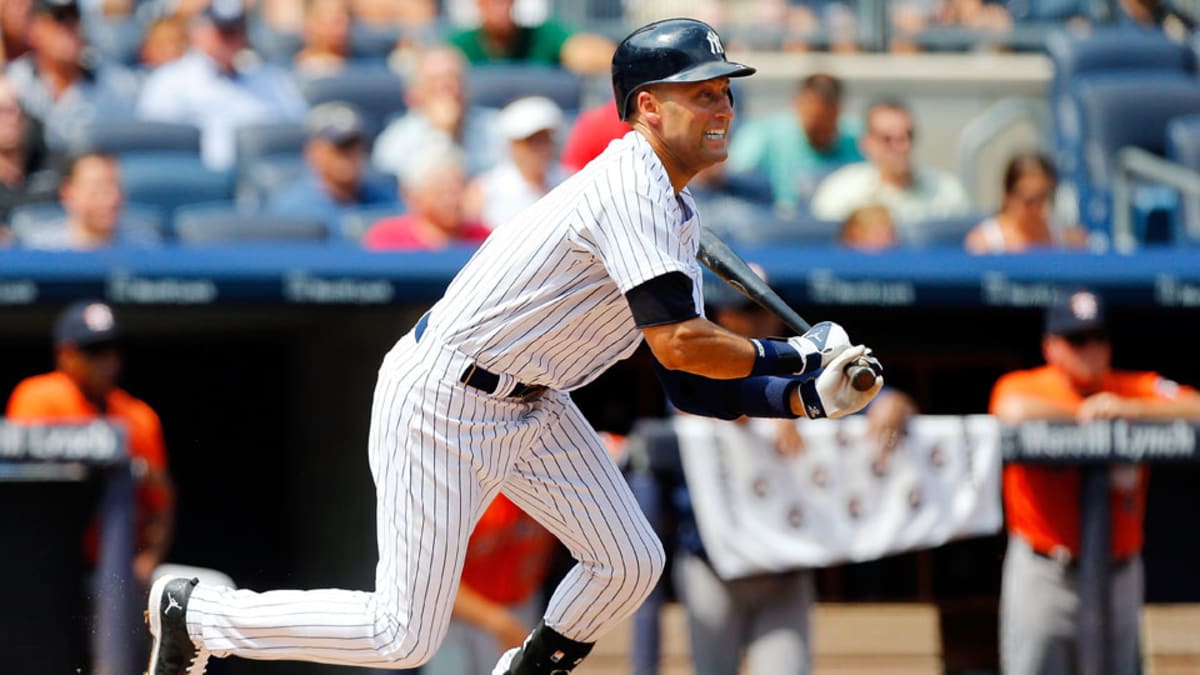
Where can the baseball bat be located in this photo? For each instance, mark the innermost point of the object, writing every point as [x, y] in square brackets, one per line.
[717, 256]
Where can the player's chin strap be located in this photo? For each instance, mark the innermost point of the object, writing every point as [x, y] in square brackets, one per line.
[548, 652]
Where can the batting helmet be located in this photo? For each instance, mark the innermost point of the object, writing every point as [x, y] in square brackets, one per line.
[671, 50]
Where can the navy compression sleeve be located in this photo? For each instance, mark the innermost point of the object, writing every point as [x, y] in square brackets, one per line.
[759, 396]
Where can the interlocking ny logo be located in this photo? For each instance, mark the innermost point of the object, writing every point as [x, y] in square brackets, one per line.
[714, 43]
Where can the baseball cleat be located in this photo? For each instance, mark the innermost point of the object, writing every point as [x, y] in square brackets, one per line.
[172, 652]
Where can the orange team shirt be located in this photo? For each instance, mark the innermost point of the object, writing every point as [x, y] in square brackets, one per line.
[1041, 502]
[54, 398]
[508, 554]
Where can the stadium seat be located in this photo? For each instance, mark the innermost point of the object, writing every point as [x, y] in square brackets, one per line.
[949, 232]
[257, 141]
[377, 92]
[494, 86]
[224, 223]
[26, 220]
[117, 40]
[125, 136]
[355, 223]
[171, 180]
[274, 46]
[265, 175]
[1183, 146]
[1122, 110]
[372, 42]
[1038, 11]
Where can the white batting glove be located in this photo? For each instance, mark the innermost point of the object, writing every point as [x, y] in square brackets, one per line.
[825, 340]
[831, 394]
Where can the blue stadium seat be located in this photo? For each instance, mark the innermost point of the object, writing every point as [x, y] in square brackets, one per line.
[264, 176]
[256, 141]
[948, 232]
[1099, 52]
[125, 136]
[355, 223]
[171, 180]
[377, 92]
[274, 46]
[118, 41]
[1038, 11]
[494, 86]
[1183, 146]
[372, 42]
[224, 223]
[27, 219]
[1121, 110]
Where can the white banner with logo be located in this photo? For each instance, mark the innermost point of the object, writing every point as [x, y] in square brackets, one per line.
[836, 502]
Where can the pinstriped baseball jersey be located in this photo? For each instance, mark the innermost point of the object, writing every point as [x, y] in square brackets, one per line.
[542, 300]
[541, 303]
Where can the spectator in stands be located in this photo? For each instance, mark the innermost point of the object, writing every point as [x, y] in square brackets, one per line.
[890, 176]
[336, 181]
[14, 24]
[388, 14]
[92, 197]
[438, 112]
[1156, 15]
[166, 40]
[26, 174]
[83, 387]
[736, 206]
[1024, 221]
[830, 23]
[326, 38]
[499, 600]
[910, 17]
[532, 167]
[433, 186]
[795, 148]
[869, 229]
[1039, 597]
[499, 38]
[55, 83]
[594, 129]
[210, 88]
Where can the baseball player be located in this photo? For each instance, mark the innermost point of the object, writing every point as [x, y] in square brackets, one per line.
[474, 400]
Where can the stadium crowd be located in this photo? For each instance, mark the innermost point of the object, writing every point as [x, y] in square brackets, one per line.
[225, 107]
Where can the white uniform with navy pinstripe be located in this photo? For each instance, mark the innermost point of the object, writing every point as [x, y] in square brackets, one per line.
[541, 303]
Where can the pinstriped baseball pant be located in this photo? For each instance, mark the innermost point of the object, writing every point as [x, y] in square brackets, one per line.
[439, 452]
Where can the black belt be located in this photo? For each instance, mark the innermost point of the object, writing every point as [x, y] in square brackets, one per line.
[483, 379]
[1070, 562]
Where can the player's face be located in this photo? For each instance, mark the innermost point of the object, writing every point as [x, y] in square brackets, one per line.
[695, 122]
[1085, 358]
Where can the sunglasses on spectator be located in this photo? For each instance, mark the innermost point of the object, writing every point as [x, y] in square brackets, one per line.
[1086, 337]
[894, 139]
[1034, 199]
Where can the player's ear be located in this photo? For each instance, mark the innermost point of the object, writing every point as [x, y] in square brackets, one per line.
[648, 107]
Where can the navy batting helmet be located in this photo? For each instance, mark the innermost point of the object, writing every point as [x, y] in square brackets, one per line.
[671, 50]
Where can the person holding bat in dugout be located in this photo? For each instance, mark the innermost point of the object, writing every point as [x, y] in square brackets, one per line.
[474, 400]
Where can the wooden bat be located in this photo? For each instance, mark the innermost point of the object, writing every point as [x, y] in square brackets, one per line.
[717, 256]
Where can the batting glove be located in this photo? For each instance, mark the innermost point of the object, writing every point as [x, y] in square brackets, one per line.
[831, 393]
[820, 345]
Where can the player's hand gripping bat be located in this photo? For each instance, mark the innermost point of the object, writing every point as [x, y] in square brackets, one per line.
[718, 257]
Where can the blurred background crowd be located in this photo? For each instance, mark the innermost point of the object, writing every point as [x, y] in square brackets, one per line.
[155, 123]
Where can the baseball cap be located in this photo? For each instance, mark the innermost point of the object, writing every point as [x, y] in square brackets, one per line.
[526, 116]
[1073, 312]
[59, 9]
[86, 323]
[336, 122]
[226, 14]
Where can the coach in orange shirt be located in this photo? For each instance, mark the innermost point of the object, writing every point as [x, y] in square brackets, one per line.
[84, 387]
[1039, 598]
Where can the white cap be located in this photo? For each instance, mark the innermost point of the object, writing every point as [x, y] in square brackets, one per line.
[525, 117]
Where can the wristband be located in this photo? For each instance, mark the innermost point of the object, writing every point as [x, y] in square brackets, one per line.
[811, 400]
[776, 357]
